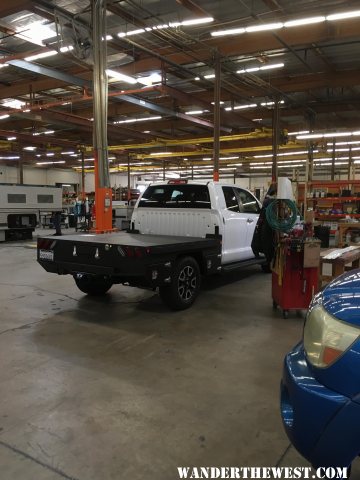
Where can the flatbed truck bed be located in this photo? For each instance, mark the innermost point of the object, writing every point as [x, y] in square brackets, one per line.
[149, 261]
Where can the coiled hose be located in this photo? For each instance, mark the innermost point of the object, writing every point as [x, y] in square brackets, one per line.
[281, 215]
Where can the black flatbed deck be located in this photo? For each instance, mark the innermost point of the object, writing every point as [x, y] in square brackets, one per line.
[135, 239]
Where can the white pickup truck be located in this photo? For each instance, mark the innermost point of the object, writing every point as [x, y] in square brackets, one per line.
[179, 231]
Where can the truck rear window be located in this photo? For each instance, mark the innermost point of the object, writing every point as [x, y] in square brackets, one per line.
[176, 196]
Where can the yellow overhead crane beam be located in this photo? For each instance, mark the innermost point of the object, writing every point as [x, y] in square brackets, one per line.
[208, 151]
[263, 133]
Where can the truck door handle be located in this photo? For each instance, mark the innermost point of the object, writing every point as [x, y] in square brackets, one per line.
[250, 220]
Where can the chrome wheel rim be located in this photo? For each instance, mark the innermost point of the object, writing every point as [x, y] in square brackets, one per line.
[187, 283]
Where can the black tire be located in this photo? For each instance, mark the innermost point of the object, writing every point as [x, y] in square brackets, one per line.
[185, 285]
[266, 268]
[94, 285]
[285, 313]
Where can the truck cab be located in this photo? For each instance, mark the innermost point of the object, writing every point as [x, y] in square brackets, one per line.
[196, 209]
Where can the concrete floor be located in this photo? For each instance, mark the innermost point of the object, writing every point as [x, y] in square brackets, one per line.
[120, 387]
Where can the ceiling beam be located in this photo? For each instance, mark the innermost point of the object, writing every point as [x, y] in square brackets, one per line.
[9, 7]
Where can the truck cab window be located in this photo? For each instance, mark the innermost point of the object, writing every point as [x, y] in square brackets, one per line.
[248, 201]
[176, 196]
[231, 200]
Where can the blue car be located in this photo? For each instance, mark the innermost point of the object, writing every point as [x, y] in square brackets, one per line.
[320, 388]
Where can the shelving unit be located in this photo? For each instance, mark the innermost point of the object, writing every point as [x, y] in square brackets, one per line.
[333, 201]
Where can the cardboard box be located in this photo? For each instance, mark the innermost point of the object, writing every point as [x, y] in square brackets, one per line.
[309, 216]
[312, 254]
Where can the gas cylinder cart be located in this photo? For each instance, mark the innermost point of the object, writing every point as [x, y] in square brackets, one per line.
[295, 276]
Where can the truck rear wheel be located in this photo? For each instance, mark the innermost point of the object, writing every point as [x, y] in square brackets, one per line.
[185, 285]
[94, 285]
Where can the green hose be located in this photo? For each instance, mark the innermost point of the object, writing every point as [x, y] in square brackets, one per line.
[272, 215]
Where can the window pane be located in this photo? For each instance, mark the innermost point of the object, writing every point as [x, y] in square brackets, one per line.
[16, 198]
[249, 202]
[45, 198]
[231, 201]
[176, 196]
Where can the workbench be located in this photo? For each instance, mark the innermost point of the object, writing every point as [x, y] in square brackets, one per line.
[341, 260]
[343, 228]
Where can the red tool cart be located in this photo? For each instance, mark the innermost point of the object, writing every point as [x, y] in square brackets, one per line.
[295, 277]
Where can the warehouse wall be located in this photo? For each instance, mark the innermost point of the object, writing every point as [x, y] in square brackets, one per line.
[43, 176]
[38, 176]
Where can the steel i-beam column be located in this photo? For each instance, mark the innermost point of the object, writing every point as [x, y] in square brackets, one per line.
[217, 91]
[103, 194]
[333, 161]
[275, 140]
[128, 181]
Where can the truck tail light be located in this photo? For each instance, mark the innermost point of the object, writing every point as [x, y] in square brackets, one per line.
[326, 338]
[46, 243]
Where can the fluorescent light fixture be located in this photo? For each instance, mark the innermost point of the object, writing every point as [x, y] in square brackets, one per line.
[109, 37]
[26, 110]
[207, 159]
[146, 131]
[355, 142]
[66, 49]
[50, 154]
[230, 31]
[326, 135]
[160, 153]
[194, 112]
[196, 21]
[66, 185]
[221, 103]
[150, 80]
[184, 23]
[11, 138]
[13, 103]
[30, 149]
[263, 27]
[121, 77]
[241, 107]
[343, 15]
[282, 154]
[35, 33]
[2, 117]
[304, 21]
[133, 120]
[197, 78]
[10, 158]
[337, 134]
[70, 152]
[135, 32]
[211, 75]
[45, 132]
[301, 132]
[17, 19]
[50, 163]
[291, 23]
[50, 53]
[229, 158]
[265, 67]
[268, 104]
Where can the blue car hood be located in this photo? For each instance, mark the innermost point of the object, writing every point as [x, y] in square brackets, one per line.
[341, 298]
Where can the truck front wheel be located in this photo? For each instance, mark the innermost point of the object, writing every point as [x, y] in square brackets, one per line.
[185, 285]
[94, 285]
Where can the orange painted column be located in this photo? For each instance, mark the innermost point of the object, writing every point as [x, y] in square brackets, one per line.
[103, 203]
